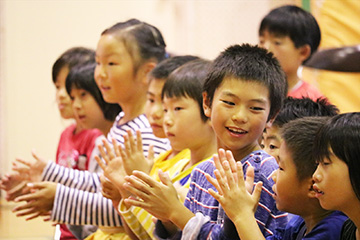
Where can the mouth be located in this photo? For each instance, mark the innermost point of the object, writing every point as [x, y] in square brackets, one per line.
[104, 88]
[169, 134]
[318, 192]
[82, 117]
[154, 125]
[236, 131]
[62, 105]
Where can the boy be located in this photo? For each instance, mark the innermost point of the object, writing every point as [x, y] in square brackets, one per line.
[293, 108]
[243, 91]
[293, 189]
[184, 119]
[292, 35]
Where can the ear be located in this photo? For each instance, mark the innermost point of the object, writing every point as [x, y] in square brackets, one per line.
[305, 52]
[144, 71]
[206, 105]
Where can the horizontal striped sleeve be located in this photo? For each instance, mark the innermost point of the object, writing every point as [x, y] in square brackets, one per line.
[76, 207]
[136, 222]
[82, 180]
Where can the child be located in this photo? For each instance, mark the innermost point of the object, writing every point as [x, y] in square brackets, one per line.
[293, 108]
[125, 54]
[184, 119]
[244, 90]
[293, 190]
[292, 35]
[336, 178]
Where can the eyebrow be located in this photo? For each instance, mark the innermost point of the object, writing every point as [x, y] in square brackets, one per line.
[230, 94]
[272, 137]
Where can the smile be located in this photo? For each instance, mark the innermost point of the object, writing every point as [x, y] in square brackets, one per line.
[236, 130]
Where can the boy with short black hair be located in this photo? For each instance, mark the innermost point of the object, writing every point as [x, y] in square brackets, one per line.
[292, 35]
[292, 109]
[293, 189]
[244, 90]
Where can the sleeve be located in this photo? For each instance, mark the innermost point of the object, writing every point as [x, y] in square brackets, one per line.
[82, 180]
[138, 220]
[76, 207]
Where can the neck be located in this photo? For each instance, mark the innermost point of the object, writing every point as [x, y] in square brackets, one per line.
[78, 128]
[314, 217]
[202, 152]
[292, 80]
[106, 126]
[133, 108]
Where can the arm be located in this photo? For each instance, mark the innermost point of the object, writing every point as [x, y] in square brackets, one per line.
[159, 199]
[235, 196]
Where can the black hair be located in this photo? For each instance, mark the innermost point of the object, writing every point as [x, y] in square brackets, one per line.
[164, 68]
[294, 108]
[299, 25]
[71, 58]
[249, 63]
[341, 136]
[143, 41]
[299, 136]
[187, 81]
[82, 77]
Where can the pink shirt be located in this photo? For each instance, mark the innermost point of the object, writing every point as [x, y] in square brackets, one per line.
[304, 89]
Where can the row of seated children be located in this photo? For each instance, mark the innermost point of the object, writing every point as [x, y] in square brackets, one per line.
[108, 89]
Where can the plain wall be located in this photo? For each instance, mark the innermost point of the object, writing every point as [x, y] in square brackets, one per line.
[35, 32]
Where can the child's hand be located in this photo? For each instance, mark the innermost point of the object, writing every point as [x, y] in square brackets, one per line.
[133, 155]
[159, 199]
[235, 195]
[14, 185]
[39, 201]
[113, 166]
[110, 191]
[30, 171]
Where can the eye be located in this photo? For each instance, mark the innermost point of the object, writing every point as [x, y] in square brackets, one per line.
[262, 146]
[228, 102]
[178, 108]
[257, 108]
[272, 147]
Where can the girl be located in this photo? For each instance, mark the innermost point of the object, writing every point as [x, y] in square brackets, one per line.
[125, 54]
[337, 177]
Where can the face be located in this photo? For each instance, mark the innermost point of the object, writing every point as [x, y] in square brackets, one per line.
[331, 181]
[284, 50]
[271, 141]
[182, 123]
[154, 109]
[289, 192]
[62, 98]
[114, 72]
[86, 109]
[238, 115]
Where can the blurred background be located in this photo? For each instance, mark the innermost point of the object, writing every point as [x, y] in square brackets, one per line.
[33, 33]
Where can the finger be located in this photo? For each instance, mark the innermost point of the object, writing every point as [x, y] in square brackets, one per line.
[102, 153]
[33, 216]
[151, 154]
[249, 180]
[257, 191]
[145, 178]
[223, 186]
[100, 162]
[22, 161]
[27, 197]
[116, 147]
[26, 212]
[214, 182]
[109, 150]
[218, 164]
[132, 141]
[139, 141]
[164, 178]
[229, 175]
[215, 195]
[34, 154]
[135, 202]
[231, 160]
[240, 174]
[137, 187]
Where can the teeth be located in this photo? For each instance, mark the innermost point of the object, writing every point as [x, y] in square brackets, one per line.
[236, 130]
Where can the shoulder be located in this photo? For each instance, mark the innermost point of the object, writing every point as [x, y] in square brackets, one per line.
[262, 162]
[329, 227]
[348, 231]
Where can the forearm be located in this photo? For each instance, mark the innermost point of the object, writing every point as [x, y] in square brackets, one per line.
[180, 215]
[73, 206]
[248, 228]
[82, 180]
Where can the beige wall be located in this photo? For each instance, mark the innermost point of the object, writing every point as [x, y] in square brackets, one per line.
[35, 32]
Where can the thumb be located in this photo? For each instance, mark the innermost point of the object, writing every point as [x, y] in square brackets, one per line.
[249, 181]
[164, 178]
[36, 185]
[257, 192]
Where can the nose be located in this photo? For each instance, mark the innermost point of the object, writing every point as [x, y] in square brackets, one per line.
[274, 176]
[62, 93]
[317, 175]
[76, 103]
[240, 115]
[157, 111]
[100, 72]
[168, 120]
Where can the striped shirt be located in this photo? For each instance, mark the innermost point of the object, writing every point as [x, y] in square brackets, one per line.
[78, 199]
[199, 200]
